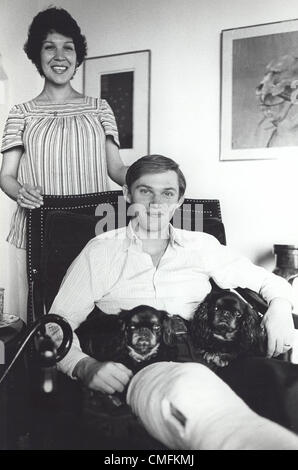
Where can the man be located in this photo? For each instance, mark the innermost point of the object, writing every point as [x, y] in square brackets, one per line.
[150, 262]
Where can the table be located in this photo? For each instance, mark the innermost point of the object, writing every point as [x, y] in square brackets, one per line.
[11, 400]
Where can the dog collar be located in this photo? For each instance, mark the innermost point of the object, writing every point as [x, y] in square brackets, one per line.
[140, 357]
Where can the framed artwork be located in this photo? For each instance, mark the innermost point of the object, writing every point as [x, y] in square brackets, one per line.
[124, 81]
[259, 92]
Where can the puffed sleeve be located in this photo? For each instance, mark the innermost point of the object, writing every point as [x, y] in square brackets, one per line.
[13, 130]
[108, 121]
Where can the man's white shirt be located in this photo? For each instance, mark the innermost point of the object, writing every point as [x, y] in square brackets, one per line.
[114, 273]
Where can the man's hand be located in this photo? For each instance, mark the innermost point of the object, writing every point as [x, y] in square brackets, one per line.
[106, 377]
[279, 325]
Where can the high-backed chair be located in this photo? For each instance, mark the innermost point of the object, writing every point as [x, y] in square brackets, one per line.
[57, 232]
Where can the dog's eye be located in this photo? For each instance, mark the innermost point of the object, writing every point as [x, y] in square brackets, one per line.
[237, 313]
[132, 327]
[156, 327]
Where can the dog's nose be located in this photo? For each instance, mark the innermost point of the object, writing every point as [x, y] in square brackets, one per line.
[226, 314]
[144, 332]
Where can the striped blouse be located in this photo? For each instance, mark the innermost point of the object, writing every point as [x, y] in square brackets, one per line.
[64, 149]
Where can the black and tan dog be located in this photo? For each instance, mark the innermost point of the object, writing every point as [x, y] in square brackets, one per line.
[136, 337]
[224, 327]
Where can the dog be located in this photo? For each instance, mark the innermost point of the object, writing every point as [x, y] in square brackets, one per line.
[135, 338]
[225, 327]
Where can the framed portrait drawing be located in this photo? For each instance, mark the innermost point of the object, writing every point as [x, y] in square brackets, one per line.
[259, 92]
[124, 81]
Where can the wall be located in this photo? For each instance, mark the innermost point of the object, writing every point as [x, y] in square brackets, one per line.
[258, 198]
[23, 83]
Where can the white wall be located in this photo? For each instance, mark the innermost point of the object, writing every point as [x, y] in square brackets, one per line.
[258, 198]
[23, 83]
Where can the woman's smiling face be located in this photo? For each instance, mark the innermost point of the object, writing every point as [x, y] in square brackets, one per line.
[58, 58]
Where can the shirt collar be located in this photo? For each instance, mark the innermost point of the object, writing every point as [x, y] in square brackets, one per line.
[133, 240]
[175, 236]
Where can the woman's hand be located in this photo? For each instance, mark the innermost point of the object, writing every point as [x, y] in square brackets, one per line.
[26, 195]
[279, 325]
[29, 196]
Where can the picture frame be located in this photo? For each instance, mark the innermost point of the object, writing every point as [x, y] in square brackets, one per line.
[259, 90]
[124, 81]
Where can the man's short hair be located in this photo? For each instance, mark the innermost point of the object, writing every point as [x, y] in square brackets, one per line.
[154, 164]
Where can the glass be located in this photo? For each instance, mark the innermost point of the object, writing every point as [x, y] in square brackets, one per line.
[1, 301]
[3, 83]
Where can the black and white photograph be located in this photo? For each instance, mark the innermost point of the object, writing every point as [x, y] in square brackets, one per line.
[148, 235]
[123, 80]
[259, 91]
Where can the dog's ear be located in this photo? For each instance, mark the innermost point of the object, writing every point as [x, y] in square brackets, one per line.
[123, 316]
[174, 328]
[102, 337]
[163, 316]
[252, 337]
[200, 331]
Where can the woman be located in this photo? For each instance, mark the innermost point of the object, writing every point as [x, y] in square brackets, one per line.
[60, 142]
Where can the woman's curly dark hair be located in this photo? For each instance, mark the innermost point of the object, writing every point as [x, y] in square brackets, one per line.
[60, 21]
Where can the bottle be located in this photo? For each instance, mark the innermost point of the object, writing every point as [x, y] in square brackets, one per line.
[286, 261]
[287, 267]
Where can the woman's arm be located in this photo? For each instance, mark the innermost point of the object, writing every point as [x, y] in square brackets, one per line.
[116, 169]
[26, 195]
[9, 171]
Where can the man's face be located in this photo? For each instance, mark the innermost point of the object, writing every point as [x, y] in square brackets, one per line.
[155, 197]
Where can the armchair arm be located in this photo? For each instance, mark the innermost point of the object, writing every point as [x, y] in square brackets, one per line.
[258, 303]
[254, 299]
